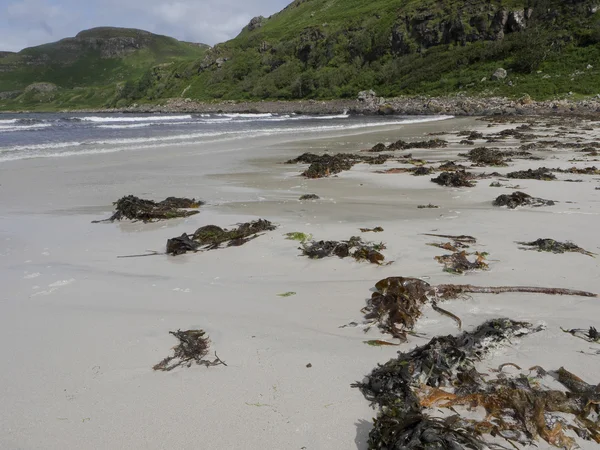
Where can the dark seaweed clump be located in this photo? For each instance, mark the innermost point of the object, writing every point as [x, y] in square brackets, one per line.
[322, 166]
[552, 246]
[135, 208]
[211, 237]
[354, 247]
[484, 156]
[193, 347]
[542, 173]
[442, 374]
[519, 198]
[459, 178]
[310, 197]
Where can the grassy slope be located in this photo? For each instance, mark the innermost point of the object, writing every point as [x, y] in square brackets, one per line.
[85, 79]
[352, 52]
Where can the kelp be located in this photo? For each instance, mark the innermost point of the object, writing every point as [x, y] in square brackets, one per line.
[471, 135]
[518, 408]
[462, 238]
[451, 166]
[397, 302]
[543, 173]
[192, 348]
[322, 166]
[589, 335]
[374, 230]
[421, 171]
[309, 197]
[355, 247]
[379, 343]
[432, 143]
[552, 246]
[460, 178]
[211, 237]
[429, 206]
[135, 208]
[459, 263]
[484, 156]
[579, 170]
[450, 246]
[519, 198]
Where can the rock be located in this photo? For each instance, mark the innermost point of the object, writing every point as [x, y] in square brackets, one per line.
[41, 87]
[386, 110]
[499, 74]
[367, 96]
[516, 21]
[255, 22]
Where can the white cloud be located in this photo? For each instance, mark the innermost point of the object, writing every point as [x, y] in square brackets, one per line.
[25, 23]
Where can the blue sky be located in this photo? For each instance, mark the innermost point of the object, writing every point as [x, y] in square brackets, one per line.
[24, 23]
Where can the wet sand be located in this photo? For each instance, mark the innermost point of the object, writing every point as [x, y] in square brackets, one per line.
[81, 329]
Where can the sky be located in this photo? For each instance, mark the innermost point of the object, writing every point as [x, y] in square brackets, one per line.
[25, 23]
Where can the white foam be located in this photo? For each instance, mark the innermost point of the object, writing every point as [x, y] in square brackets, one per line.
[8, 120]
[132, 119]
[250, 116]
[118, 145]
[8, 128]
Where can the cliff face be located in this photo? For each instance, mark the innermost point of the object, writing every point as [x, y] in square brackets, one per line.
[335, 48]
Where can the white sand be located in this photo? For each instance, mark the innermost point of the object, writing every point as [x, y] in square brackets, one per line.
[81, 329]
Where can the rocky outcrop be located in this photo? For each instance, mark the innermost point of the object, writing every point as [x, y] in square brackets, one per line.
[255, 22]
[41, 88]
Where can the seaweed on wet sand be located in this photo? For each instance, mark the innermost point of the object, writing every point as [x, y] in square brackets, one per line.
[354, 247]
[460, 178]
[432, 143]
[374, 230]
[135, 208]
[192, 348]
[211, 237]
[322, 166]
[484, 156]
[519, 198]
[429, 206]
[542, 173]
[589, 335]
[309, 197]
[397, 302]
[552, 246]
[459, 263]
[518, 408]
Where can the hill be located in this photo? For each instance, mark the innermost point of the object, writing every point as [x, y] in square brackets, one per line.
[336, 48]
[88, 70]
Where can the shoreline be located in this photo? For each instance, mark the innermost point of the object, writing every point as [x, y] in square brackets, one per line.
[91, 325]
[367, 105]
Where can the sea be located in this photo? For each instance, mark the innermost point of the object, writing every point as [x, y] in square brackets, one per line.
[56, 135]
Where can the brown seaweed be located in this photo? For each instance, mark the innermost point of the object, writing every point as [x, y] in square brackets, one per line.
[543, 173]
[460, 178]
[135, 208]
[211, 237]
[397, 303]
[354, 247]
[518, 408]
[193, 348]
[519, 198]
[552, 246]
[458, 263]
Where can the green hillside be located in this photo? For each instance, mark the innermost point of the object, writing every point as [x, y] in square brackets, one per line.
[93, 69]
[335, 48]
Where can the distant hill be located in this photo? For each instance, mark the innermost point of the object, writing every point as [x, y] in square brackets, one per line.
[325, 49]
[88, 70]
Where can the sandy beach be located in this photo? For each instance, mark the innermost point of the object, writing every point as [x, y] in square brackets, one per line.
[81, 328]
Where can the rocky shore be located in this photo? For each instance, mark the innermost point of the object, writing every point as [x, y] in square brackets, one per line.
[369, 103]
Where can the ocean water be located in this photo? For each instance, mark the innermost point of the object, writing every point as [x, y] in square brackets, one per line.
[25, 136]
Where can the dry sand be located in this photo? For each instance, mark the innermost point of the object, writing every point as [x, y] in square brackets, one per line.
[81, 329]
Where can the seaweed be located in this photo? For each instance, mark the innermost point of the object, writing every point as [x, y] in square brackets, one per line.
[193, 347]
[579, 171]
[377, 148]
[458, 263]
[552, 246]
[543, 173]
[463, 239]
[517, 408]
[471, 135]
[589, 335]
[211, 237]
[397, 302]
[135, 208]
[309, 197]
[460, 178]
[429, 206]
[374, 230]
[355, 247]
[322, 166]
[451, 166]
[483, 156]
[379, 343]
[298, 236]
[519, 198]
[432, 143]
[421, 171]
[286, 294]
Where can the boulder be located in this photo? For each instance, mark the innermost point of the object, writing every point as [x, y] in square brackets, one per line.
[499, 74]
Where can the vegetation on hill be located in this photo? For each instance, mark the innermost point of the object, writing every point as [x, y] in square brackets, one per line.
[90, 70]
[335, 48]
